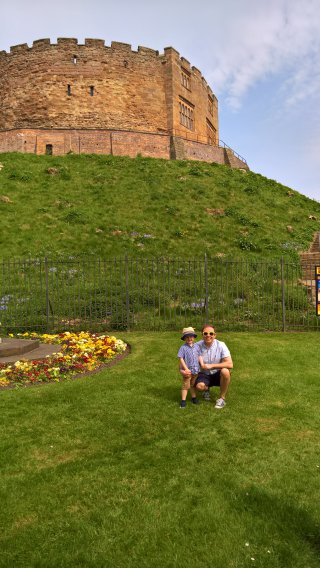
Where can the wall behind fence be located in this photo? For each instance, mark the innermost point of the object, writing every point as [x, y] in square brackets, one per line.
[154, 294]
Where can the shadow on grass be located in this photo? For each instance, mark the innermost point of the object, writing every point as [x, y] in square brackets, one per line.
[287, 522]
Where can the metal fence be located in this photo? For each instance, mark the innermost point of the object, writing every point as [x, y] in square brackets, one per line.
[155, 294]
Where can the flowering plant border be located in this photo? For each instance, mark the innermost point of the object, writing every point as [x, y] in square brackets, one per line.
[77, 353]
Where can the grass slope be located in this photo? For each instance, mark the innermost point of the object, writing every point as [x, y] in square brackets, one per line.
[113, 206]
[109, 472]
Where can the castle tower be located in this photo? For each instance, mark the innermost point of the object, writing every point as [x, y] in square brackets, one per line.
[91, 98]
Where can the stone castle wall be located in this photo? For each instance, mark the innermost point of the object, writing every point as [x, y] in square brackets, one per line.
[93, 98]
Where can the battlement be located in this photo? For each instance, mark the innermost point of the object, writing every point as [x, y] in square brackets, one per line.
[88, 42]
[39, 43]
[19, 48]
[65, 42]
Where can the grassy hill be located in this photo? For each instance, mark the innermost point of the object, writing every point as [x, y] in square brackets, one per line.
[111, 206]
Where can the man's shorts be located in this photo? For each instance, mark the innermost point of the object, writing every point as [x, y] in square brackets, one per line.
[189, 381]
[209, 380]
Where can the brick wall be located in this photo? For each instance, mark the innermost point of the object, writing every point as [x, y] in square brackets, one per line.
[118, 143]
[191, 150]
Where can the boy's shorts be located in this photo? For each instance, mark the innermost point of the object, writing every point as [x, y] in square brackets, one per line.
[189, 381]
[209, 380]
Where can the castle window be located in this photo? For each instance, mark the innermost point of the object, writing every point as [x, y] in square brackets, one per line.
[186, 115]
[91, 91]
[74, 60]
[211, 134]
[186, 79]
[210, 105]
[69, 90]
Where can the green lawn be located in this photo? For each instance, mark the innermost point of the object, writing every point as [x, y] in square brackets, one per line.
[111, 206]
[108, 472]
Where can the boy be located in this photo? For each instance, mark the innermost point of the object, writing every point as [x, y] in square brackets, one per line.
[188, 365]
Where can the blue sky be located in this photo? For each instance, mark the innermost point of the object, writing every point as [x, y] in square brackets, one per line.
[260, 57]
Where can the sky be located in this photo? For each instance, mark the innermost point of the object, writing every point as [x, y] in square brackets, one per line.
[260, 57]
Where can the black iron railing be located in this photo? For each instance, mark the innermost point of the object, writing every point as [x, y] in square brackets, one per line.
[155, 294]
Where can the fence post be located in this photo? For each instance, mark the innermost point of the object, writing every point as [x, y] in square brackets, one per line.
[47, 290]
[283, 296]
[127, 293]
[206, 287]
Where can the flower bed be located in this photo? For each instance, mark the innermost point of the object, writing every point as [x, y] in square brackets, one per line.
[77, 353]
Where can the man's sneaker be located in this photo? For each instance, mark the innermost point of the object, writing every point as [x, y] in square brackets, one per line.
[206, 395]
[220, 403]
[194, 400]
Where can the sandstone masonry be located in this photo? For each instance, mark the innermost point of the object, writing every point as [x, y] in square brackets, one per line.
[91, 98]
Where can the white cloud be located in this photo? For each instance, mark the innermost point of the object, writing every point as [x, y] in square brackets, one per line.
[265, 38]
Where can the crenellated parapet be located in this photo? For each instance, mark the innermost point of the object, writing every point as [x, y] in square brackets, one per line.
[64, 42]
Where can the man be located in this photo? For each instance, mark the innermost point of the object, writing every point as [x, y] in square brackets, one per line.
[216, 363]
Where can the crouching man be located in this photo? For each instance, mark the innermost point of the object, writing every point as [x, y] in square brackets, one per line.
[216, 364]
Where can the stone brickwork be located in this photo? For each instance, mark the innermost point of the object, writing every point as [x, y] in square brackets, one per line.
[310, 259]
[92, 98]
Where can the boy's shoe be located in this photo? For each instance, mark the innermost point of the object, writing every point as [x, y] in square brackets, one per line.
[194, 400]
[183, 404]
[220, 403]
[206, 395]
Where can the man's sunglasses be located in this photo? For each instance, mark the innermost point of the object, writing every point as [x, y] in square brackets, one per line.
[208, 333]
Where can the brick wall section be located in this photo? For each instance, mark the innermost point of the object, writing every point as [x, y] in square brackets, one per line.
[233, 161]
[118, 143]
[308, 261]
[191, 150]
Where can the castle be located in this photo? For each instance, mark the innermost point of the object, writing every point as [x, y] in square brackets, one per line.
[91, 98]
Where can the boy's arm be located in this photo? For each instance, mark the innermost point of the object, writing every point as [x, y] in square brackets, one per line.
[183, 367]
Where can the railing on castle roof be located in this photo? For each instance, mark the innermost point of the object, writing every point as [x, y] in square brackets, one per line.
[222, 144]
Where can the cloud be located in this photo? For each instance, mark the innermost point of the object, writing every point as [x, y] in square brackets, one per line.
[264, 39]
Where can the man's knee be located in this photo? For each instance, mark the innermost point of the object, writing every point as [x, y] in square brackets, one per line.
[225, 375]
[201, 387]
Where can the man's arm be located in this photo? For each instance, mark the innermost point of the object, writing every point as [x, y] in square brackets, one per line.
[226, 363]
